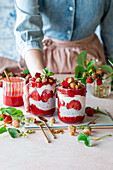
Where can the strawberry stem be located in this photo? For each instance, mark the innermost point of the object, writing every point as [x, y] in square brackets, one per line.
[101, 137]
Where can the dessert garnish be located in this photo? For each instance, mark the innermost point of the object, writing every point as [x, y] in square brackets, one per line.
[91, 111]
[87, 71]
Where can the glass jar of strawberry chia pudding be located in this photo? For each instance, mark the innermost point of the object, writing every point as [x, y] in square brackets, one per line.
[42, 96]
[71, 102]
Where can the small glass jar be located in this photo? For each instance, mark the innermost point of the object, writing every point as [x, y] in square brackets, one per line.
[103, 90]
[71, 104]
[13, 91]
[42, 98]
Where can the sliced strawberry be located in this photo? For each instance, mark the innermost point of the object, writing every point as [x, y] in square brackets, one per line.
[8, 119]
[32, 84]
[37, 75]
[35, 96]
[62, 103]
[44, 96]
[75, 104]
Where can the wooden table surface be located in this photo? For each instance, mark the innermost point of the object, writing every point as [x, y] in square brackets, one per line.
[63, 153]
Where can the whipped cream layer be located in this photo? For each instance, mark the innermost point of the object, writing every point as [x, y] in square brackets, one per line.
[43, 105]
[64, 112]
[66, 99]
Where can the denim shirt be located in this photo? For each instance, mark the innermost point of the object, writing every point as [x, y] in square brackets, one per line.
[64, 20]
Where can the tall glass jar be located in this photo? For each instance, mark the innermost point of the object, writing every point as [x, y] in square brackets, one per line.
[103, 90]
[42, 98]
[71, 104]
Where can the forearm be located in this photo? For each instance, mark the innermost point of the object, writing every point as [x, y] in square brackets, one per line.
[35, 61]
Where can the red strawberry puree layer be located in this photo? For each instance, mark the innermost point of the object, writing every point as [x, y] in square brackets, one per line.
[72, 111]
[42, 99]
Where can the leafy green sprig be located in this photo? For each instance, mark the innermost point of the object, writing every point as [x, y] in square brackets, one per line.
[13, 132]
[47, 72]
[12, 111]
[89, 68]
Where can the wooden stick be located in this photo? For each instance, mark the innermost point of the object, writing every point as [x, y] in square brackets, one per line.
[7, 76]
[50, 130]
[44, 133]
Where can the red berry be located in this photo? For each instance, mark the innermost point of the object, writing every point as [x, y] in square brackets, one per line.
[69, 79]
[75, 104]
[32, 84]
[65, 84]
[99, 82]
[89, 111]
[90, 80]
[32, 79]
[35, 96]
[37, 75]
[8, 119]
[3, 116]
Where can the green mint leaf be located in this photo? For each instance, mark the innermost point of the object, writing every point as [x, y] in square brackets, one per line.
[111, 62]
[46, 70]
[12, 109]
[83, 80]
[1, 118]
[8, 111]
[2, 130]
[13, 132]
[78, 69]
[81, 58]
[85, 138]
[17, 113]
[25, 72]
[50, 74]
[92, 62]
[106, 68]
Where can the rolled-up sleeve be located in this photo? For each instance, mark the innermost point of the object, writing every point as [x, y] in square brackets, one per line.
[28, 28]
[107, 29]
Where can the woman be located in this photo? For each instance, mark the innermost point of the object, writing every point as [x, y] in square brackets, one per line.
[68, 28]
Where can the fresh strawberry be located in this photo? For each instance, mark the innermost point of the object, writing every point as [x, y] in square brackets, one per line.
[45, 96]
[35, 96]
[32, 84]
[3, 116]
[90, 80]
[32, 79]
[89, 111]
[75, 104]
[99, 82]
[37, 75]
[8, 119]
[69, 79]
[65, 84]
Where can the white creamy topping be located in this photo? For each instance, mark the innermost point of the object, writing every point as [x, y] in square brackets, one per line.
[41, 89]
[43, 105]
[64, 112]
[67, 99]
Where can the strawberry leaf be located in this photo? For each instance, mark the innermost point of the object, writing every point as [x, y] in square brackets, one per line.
[13, 132]
[106, 68]
[92, 62]
[2, 130]
[78, 69]
[25, 72]
[46, 70]
[85, 138]
[81, 58]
